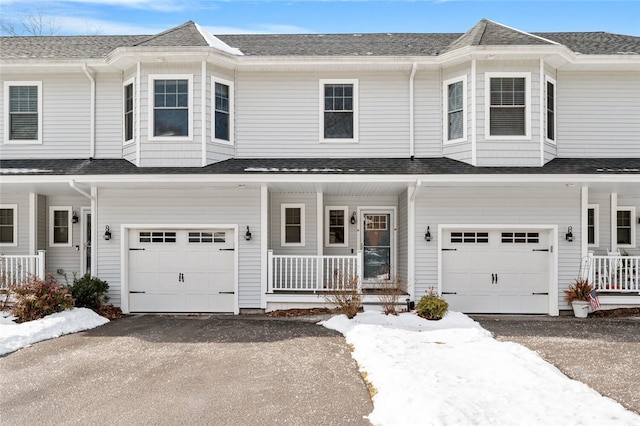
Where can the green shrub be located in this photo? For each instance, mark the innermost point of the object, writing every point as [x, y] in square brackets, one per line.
[36, 298]
[432, 307]
[90, 292]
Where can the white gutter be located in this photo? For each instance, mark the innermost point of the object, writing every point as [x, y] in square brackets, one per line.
[415, 189]
[414, 68]
[92, 137]
[72, 184]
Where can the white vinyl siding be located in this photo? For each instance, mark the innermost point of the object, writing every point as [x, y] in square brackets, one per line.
[8, 225]
[23, 117]
[428, 114]
[336, 232]
[455, 115]
[593, 225]
[170, 107]
[507, 105]
[598, 114]
[186, 206]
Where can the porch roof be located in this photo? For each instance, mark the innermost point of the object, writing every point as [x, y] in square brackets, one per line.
[318, 166]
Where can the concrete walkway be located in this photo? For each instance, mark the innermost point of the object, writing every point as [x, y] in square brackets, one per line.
[180, 370]
[604, 353]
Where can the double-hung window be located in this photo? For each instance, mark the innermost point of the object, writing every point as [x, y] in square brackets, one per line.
[626, 226]
[593, 213]
[551, 110]
[292, 225]
[128, 112]
[339, 110]
[171, 115]
[455, 129]
[507, 106]
[337, 226]
[23, 120]
[60, 230]
[222, 110]
[8, 225]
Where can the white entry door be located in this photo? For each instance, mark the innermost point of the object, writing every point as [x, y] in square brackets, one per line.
[496, 271]
[182, 270]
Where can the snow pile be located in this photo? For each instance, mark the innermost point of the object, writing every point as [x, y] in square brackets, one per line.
[453, 372]
[15, 336]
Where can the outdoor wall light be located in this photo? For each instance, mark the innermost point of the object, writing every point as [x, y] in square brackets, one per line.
[353, 218]
[427, 236]
[74, 217]
[247, 235]
[569, 235]
[107, 233]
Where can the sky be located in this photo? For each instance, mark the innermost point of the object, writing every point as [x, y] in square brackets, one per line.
[123, 17]
[430, 369]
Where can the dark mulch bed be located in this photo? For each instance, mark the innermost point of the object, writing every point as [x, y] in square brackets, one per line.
[616, 313]
[300, 312]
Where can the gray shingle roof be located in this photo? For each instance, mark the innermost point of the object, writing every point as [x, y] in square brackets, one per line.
[321, 166]
[383, 44]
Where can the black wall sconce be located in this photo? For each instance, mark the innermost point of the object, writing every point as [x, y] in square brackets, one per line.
[569, 235]
[247, 235]
[74, 217]
[353, 218]
[427, 236]
[107, 233]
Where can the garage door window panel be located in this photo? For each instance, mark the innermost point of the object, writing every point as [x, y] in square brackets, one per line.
[158, 237]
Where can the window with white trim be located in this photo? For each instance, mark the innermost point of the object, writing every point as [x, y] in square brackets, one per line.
[222, 110]
[292, 225]
[626, 226]
[23, 120]
[339, 110]
[128, 112]
[60, 230]
[455, 93]
[507, 105]
[551, 110]
[172, 112]
[593, 219]
[8, 224]
[336, 226]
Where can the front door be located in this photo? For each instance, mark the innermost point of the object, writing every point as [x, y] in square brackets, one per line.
[377, 245]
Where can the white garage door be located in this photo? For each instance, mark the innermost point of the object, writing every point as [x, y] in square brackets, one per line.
[181, 270]
[496, 271]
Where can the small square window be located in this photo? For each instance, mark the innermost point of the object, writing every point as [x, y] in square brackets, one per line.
[8, 224]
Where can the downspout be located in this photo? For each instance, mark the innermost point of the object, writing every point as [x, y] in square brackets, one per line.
[414, 68]
[92, 136]
[411, 240]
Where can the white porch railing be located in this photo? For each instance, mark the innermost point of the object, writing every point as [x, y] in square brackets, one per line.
[15, 269]
[619, 274]
[312, 273]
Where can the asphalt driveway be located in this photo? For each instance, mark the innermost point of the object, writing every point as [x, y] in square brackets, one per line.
[604, 353]
[177, 370]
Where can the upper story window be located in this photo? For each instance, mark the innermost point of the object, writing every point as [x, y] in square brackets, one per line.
[626, 226]
[507, 105]
[8, 225]
[551, 110]
[593, 213]
[455, 129]
[60, 226]
[292, 225]
[128, 112]
[339, 107]
[23, 103]
[337, 228]
[222, 111]
[171, 115]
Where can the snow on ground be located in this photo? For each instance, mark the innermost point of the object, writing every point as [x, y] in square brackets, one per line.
[452, 372]
[15, 336]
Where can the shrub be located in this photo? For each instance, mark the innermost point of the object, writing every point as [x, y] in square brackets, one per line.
[36, 298]
[579, 290]
[431, 306]
[346, 296]
[389, 295]
[90, 292]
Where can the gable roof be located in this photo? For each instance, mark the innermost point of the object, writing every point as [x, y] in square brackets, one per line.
[484, 33]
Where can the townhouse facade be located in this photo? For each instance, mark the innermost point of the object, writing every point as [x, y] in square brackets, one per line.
[242, 173]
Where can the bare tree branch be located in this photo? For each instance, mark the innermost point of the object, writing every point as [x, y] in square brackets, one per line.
[31, 24]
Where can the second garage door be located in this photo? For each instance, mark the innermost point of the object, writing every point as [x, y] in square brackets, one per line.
[181, 270]
[496, 271]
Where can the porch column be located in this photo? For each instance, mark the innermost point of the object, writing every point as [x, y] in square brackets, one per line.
[614, 221]
[264, 244]
[94, 232]
[584, 231]
[33, 222]
[320, 223]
